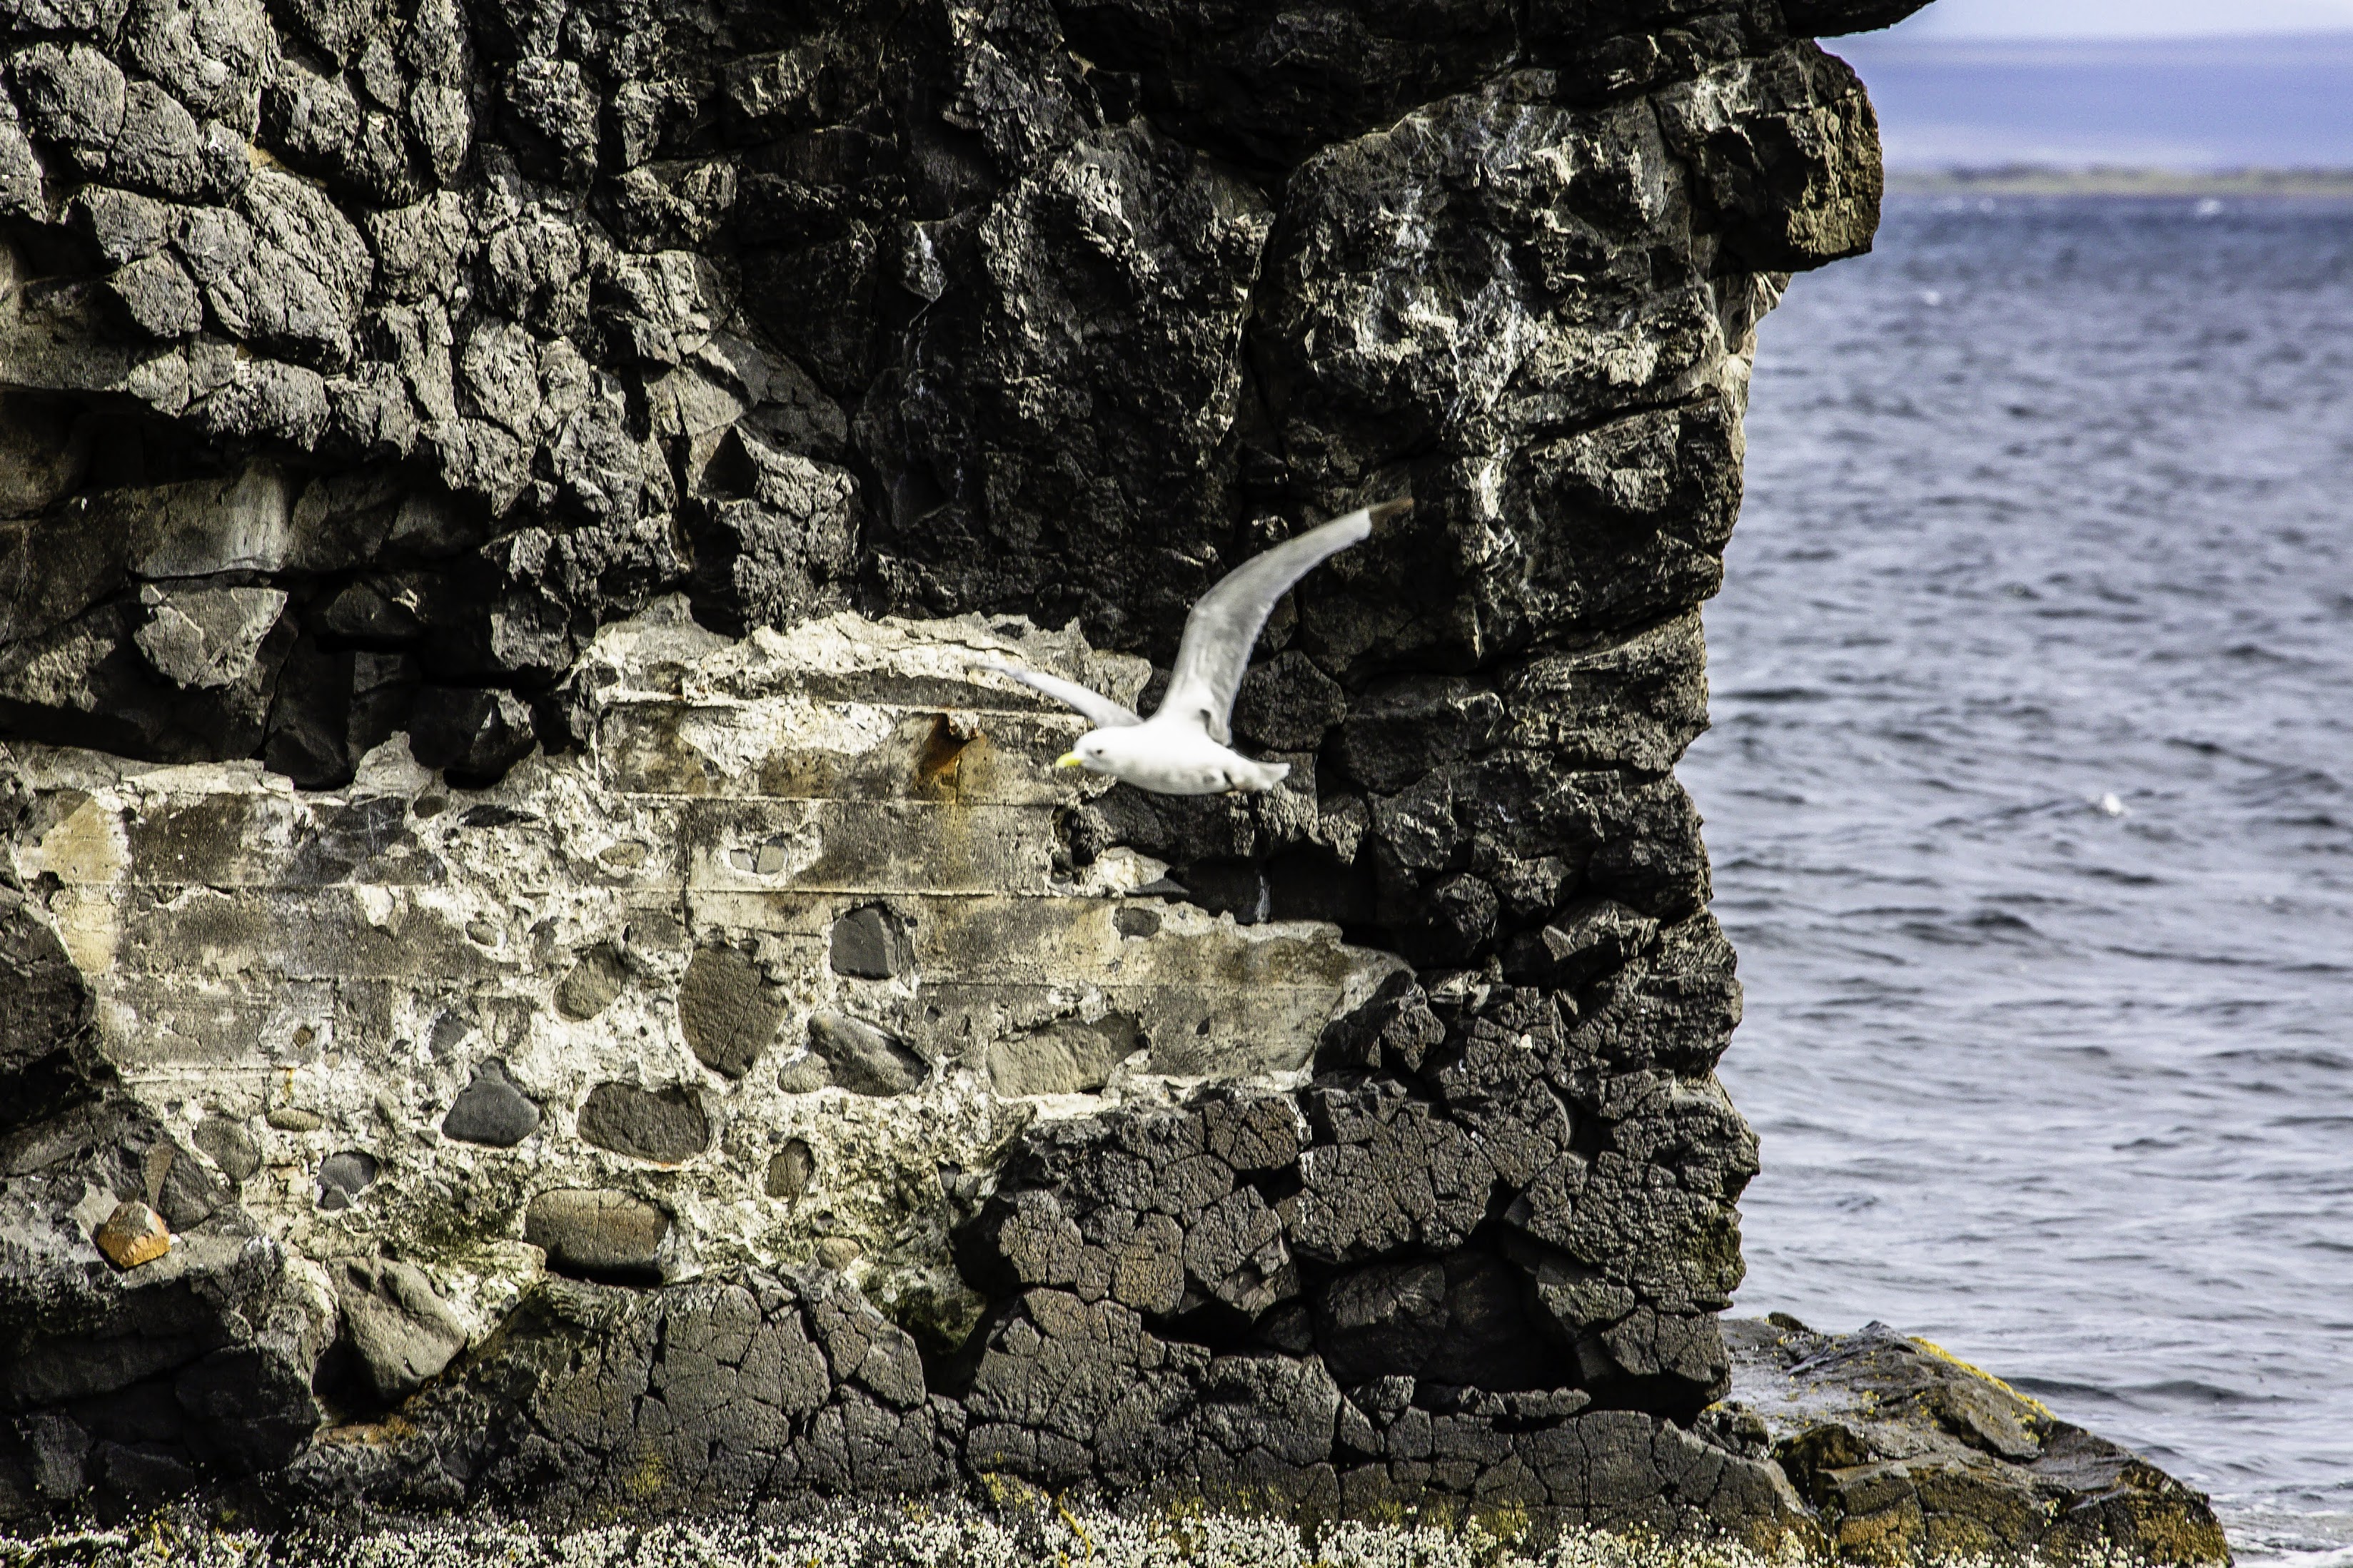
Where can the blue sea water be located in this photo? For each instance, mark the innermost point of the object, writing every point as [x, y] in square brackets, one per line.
[2031, 798]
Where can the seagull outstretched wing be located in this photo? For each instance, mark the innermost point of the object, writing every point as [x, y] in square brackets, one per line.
[1224, 625]
[1100, 710]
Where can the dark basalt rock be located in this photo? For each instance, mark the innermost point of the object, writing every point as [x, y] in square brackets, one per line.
[596, 1234]
[472, 733]
[1910, 1456]
[130, 1383]
[343, 1177]
[596, 980]
[870, 943]
[746, 1389]
[725, 1009]
[790, 1169]
[863, 1058]
[400, 1329]
[1287, 704]
[230, 1145]
[491, 1109]
[45, 1008]
[1382, 1321]
[664, 1126]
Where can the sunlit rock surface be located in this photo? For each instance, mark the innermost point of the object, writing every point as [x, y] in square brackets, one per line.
[789, 949]
[532, 973]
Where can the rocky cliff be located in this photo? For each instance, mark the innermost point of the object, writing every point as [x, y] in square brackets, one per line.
[534, 969]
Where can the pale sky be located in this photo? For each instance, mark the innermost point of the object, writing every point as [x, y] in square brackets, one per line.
[2123, 19]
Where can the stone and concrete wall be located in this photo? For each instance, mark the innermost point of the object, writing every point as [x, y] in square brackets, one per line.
[533, 970]
[751, 977]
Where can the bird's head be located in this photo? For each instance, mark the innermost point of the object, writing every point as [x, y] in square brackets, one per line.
[1093, 753]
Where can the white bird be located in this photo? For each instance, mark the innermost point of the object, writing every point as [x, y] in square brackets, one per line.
[1186, 747]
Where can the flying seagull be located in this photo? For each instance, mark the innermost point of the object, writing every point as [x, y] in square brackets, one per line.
[1186, 747]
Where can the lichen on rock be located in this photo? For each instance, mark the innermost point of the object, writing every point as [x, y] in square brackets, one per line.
[1911, 1456]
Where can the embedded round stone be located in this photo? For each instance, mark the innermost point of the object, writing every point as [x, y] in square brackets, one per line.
[869, 943]
[491, 1109]
[865, 1059]
[725, 1009]
[595, 1230]
[230, 1146]
[597, 978]
[342, 1176]
[132, 1234]
[665, 1127]
[790, 1169]
[805, 1073]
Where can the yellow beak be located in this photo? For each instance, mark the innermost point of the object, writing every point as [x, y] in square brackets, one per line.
[1069, 760]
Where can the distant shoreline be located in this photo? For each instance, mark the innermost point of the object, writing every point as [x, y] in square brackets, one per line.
[2028, 180]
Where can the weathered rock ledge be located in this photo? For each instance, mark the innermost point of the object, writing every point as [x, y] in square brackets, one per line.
[1906, 1455]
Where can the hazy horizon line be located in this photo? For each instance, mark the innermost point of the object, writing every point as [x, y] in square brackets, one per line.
[2032, 178]
[1884, 42]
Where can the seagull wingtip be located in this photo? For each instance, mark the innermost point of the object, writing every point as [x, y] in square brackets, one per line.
[1382, 512]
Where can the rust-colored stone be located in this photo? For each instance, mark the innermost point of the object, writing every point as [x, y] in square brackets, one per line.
[132, 1234]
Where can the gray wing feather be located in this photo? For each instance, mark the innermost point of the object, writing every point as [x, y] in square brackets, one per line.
[1104, 714]
[1223, 628]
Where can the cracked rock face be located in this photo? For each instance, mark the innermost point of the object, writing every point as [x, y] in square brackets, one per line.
[533, 969]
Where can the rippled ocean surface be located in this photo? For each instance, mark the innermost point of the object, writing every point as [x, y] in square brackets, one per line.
[2031, 798]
